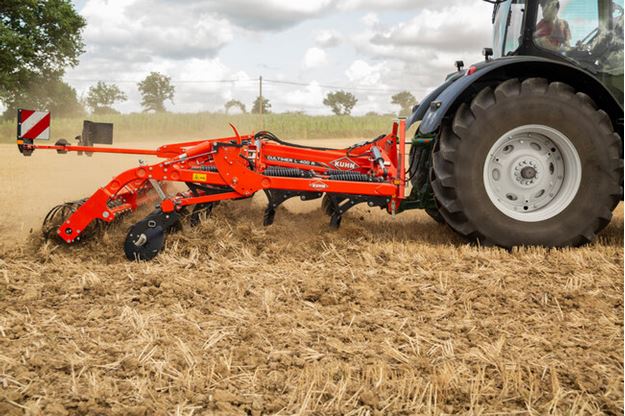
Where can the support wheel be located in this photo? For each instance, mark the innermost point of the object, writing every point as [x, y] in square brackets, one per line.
[146, 238]
[528, 163]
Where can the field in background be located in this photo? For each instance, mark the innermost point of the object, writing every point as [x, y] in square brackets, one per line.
[174, 126]
[386, 316]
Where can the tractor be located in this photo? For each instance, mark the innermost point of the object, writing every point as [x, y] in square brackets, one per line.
[523, 148]
[528, 144]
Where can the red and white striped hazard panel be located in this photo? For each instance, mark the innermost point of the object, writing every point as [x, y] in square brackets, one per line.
[33, 124]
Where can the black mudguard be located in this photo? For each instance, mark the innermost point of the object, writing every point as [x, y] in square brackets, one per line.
[459, 87]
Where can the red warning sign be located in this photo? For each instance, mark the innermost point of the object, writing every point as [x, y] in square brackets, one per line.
[33, 125]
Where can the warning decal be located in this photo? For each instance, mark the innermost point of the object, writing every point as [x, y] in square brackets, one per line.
[33, 125]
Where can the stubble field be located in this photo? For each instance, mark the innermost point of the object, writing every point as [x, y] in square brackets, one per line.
[384, 316]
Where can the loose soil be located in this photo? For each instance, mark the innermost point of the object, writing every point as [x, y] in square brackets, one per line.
[384, 316]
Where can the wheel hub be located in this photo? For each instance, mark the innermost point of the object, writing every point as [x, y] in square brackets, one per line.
[532, 173]
[528, 172]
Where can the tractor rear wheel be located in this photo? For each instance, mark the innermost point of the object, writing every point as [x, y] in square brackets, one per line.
[528, 163]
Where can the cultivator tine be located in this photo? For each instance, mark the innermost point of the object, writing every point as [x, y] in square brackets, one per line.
[335, 205]
[270, 212]
[200, 213]
[275, 198]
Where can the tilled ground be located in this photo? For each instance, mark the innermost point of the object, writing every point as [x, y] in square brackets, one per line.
[385, 316]
[381, 317]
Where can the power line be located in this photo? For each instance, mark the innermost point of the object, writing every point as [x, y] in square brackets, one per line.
[237, 81]
[125, 81]
[332, 87]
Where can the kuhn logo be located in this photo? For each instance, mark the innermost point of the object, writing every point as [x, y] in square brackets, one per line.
[318, 185]
[344, 163]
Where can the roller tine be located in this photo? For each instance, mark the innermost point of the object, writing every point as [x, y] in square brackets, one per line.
[51, 214]
[47, 217]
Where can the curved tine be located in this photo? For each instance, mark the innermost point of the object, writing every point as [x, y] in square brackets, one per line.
[49, 214]
[64, 212]
[52, 213]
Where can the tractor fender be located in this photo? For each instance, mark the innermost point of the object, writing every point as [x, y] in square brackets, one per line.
[460, 89]
[419, 110]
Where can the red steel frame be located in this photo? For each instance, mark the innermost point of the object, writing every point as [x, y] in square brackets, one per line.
[236, 165]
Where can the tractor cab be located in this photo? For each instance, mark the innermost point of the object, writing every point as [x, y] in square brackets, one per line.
[586, 33]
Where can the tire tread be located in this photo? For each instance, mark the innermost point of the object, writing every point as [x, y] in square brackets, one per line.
[445, 155]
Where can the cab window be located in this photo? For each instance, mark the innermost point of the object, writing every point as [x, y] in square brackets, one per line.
[589, 32]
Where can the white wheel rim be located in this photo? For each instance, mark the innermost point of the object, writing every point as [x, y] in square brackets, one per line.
[532, 173]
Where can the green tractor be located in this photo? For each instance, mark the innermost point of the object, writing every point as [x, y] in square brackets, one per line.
[528, 144]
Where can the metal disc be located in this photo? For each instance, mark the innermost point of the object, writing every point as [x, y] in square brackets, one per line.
[144, 240]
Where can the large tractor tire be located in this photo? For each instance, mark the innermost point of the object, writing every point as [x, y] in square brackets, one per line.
[528, 163]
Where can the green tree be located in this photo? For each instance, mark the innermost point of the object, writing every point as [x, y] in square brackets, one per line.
[38, 40]
[102, 96]
[256, 106]
[235, 103]
[53, 95]
[156, 89]
[406, 101]
[340, 102]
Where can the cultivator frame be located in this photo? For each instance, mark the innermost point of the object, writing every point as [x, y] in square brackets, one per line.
[234, 168]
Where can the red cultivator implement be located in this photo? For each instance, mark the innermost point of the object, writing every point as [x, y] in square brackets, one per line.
[228, 168]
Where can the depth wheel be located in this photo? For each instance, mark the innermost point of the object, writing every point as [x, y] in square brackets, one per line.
[147, 238]
[528, 163]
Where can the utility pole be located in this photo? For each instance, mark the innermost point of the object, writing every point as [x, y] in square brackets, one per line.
[262, 103]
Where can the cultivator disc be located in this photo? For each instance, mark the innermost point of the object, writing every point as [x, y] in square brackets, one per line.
[146, 238]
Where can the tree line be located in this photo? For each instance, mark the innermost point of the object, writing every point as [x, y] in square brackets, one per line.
[155, 89]
[341, 103]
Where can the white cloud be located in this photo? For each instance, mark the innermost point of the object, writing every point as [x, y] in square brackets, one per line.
[386, 5]
[269, 15]
[328, 39]
[420, 51]
[371, 19]
[198, 40]
[315, 57]
[133, 32]
[451, 29]
[309, 99]
[363, 74]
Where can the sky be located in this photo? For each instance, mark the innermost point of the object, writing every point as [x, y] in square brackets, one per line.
[216, 50]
